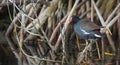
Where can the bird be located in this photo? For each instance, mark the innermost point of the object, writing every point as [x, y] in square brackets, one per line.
[85, 29]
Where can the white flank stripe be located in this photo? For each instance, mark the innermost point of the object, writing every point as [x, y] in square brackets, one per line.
[97, 35]
[84, 31]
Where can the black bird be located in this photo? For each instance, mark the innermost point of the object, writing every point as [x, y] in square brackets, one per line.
[85, 28]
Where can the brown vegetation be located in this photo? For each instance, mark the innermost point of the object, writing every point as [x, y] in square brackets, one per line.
[40, 33]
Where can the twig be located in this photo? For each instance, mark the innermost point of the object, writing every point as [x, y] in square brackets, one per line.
[69, 5]
[98, 13]
[40, 20]
[81, 54]
[79, 5]
[10, 31]
[103, 23]
[4, 3]
[40, 59]
[92, 12]
[111, 42]
[113, 20]
[57, 28]
[111, 15]
[66, 24]
[103, 50]
[98, 50]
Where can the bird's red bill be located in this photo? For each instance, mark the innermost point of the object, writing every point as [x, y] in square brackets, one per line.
[70, 20]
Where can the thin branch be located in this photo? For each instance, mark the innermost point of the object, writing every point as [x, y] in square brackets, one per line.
[113, 20]
[82, 54]
[98, 13]
[66, 23]
[56, 29]
[111, 15]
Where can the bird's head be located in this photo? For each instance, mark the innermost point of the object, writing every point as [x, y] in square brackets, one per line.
[74, 19]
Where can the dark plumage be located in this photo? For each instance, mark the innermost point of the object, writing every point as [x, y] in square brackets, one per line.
[85, 28]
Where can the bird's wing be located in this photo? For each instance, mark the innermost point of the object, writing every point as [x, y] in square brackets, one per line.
[88, 25]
